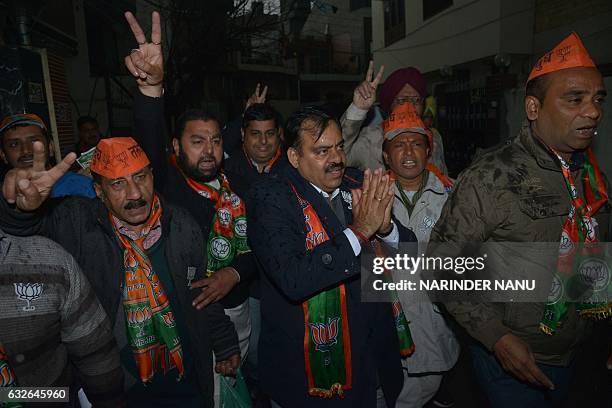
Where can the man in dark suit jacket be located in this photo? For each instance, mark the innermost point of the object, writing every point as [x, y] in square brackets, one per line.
[307, 229]
[260, 155]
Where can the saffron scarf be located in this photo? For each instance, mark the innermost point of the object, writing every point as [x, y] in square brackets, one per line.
[151, 329]
[228, 235]
[269, 164]
[327, 340]
[7, 378]
[579, 229]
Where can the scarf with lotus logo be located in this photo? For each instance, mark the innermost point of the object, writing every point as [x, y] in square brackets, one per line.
[7, 378]
[228, 235]
[151, 329]
[327, 341]
[576, 260]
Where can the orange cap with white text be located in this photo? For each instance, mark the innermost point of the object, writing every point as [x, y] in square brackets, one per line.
[118, 157]
[404, 118]
[569, 53]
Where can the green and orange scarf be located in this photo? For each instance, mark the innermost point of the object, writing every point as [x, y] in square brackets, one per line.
[7, 378]
[151, 328]
[579, 228]
[228, 235]
[327, 341]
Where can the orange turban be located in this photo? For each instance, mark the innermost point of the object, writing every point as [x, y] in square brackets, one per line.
[118, 157]
[569, 53]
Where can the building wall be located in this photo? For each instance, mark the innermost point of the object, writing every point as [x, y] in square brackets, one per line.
[345, 28]
[455, 35]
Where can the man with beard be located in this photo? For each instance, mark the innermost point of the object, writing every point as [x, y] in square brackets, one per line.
[18, 133]
[543, 186]
[143, 257]
[260, 156]
[364, 143]
[319, 342]
[419, 198]
[192, 180]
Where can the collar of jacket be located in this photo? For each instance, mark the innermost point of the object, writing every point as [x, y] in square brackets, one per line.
[324, 211]
[105, 224]
[543, 156]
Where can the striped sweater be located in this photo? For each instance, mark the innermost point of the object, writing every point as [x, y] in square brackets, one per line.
[52, 326]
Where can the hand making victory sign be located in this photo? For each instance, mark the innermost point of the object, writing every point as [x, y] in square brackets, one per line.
[364, 95]
[257, 96]
[29, 188]
[146, 63]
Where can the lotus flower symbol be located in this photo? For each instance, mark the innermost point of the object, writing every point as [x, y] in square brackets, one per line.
[137, 318]
[325, 335]
[169, 319]
[28, 292]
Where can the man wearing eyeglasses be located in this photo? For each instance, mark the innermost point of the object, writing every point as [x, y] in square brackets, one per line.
[363, 143]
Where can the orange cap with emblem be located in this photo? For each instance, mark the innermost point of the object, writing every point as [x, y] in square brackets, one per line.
[569, 53]
[404, 118]
[118, 157]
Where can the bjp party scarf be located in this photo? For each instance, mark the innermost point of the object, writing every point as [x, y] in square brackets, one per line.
[228, 235]
[151, 329]
[327, 340]
[578, 248]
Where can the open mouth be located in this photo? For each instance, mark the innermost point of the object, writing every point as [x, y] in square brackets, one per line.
[409, 164]
[586, 132]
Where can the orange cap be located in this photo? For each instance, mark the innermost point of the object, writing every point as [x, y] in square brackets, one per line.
[569, 53]
[118, 157]
[404, 118]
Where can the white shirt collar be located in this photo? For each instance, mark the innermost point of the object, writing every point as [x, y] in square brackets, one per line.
[326, 195]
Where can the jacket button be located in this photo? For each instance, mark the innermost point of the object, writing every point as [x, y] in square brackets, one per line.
[326, 259]
[19, 358]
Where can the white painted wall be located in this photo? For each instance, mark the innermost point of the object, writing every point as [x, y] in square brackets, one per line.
[455, 35]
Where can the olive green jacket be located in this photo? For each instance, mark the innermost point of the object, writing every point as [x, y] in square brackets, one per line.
[515, 193]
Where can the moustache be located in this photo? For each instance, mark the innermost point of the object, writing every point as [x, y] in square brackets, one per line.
[207, 158]
[335, 166]
[133, 204]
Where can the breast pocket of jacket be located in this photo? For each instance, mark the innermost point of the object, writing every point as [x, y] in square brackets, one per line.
[544, 206]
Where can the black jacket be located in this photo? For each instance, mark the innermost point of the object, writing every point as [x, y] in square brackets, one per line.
[151, 135]
[293, 275]
[242, 175]
[83, 228]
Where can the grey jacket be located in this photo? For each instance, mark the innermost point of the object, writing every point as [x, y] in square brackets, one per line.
[52, 326]
[437, 348]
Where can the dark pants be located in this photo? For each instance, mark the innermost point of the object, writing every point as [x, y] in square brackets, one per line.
[504, 390]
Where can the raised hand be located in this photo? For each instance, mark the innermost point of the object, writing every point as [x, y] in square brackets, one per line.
[257, 97]
[364, 95]
[371, 203]
[29, 188]
[146, 63]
